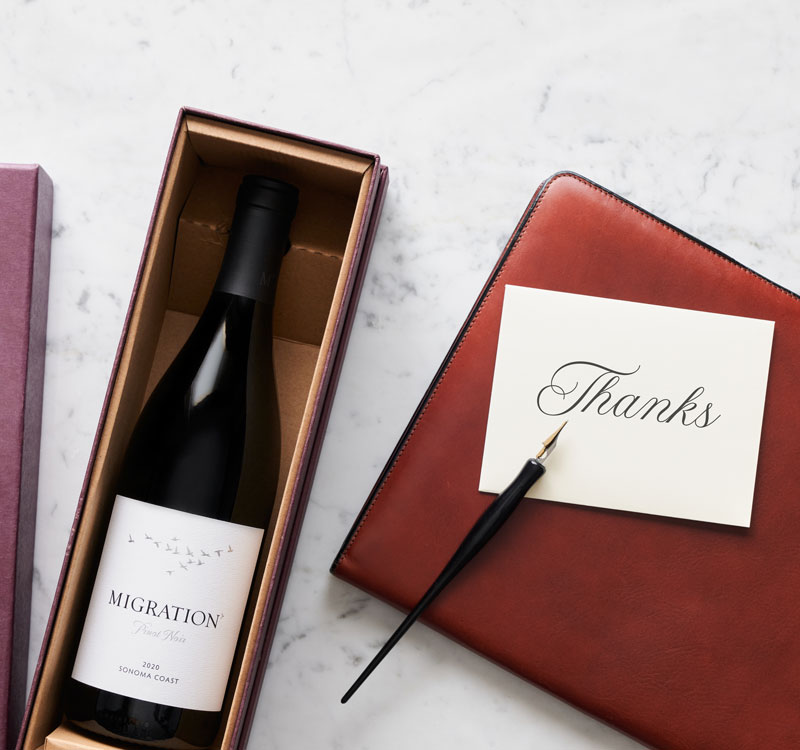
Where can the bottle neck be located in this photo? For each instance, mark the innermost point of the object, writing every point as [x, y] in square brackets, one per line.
[257, 243]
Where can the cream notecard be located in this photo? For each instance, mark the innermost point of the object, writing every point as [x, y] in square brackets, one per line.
[664, 404]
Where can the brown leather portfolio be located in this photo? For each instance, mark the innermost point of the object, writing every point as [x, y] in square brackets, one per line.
[682, 634]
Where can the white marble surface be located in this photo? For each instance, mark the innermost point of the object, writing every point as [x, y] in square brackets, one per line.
[689, 108]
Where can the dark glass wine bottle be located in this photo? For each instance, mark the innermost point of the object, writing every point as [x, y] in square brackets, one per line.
[193, 496]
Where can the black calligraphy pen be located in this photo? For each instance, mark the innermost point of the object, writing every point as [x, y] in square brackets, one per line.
[482, 531]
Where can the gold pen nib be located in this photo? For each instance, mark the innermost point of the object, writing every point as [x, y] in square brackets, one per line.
[549, 445]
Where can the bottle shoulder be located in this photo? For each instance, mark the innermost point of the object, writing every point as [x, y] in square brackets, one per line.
[213, 405]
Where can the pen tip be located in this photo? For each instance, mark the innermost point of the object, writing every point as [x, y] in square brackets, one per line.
[549, 445]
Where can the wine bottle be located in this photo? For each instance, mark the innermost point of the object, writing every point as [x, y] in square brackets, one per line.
[193, 496]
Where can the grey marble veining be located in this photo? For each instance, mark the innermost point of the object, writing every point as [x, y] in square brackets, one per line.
[687, 108]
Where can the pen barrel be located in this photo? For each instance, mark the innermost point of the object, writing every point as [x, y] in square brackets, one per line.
[487, 525]
[481, 532]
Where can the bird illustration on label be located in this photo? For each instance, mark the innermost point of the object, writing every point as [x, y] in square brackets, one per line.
[189, 561]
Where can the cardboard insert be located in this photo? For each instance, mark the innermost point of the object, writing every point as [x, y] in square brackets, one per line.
[184, 250]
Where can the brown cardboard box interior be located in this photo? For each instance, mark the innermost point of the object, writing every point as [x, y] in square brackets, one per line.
[186, 245]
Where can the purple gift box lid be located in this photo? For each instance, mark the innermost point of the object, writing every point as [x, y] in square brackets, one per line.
[26, 204]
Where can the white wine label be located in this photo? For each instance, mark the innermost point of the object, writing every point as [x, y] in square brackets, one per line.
[167, 605]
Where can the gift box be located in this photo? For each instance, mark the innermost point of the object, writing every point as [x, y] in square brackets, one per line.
[341, 192]
[26, 210]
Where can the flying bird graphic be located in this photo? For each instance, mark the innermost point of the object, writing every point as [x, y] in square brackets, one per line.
[183, 566]
[148, 537]
[130, 538]
[219, 551]
[200, 562]
[230, 549]
[204, 553]
[174, 539]
[170, 572]
[189, 552]
[158, 544]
